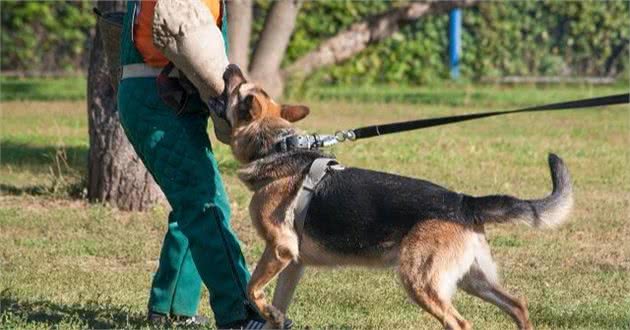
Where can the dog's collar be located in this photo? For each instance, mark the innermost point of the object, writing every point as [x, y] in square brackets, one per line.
[290, 141]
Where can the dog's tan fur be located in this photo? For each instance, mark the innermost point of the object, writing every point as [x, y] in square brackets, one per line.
[433, 259]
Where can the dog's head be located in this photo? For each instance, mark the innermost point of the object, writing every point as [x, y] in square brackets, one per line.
[247, 102]
[254, 116]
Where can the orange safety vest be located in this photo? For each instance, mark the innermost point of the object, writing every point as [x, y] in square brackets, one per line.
[143, 30]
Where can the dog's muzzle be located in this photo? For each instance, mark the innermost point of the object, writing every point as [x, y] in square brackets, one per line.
[218, 105]
[218, 112]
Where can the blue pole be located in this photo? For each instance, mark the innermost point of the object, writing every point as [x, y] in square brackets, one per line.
[455, 38]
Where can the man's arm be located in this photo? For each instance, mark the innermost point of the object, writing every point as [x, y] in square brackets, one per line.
[186, 33]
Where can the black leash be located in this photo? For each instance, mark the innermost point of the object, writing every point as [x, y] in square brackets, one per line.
[314, 141]
[377, 130]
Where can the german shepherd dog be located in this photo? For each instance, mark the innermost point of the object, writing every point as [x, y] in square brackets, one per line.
[434, 236]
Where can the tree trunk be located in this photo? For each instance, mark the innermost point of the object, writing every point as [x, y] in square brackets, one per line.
[360, 35]
[115, 173]
[273, 42]
[239, 31]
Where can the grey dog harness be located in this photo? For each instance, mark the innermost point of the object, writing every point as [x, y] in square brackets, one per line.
[318, 170]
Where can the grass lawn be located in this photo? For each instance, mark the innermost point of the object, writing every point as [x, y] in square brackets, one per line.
[65, 263]
[43, 89]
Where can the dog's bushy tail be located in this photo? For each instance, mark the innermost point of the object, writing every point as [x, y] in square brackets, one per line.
[547, 212]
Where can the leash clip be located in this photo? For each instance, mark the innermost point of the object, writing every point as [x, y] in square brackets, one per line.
[342, 136]
[315, 141]
[326, 140]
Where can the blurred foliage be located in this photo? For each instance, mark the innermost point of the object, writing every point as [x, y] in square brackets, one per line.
[585, 38]
[40, 36]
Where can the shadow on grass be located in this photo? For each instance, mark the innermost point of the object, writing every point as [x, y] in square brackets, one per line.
[42, 157]
[60, 170]
[93, 315]
[36, 190]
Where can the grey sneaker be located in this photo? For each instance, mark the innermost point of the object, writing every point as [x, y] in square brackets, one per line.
[189, 321]
[162, 320]
[157, 319]
[253, 324]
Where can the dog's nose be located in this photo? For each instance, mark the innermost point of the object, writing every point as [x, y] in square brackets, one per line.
[232, 77]
[231, 71]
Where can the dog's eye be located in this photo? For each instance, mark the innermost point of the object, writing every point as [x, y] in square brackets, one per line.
[244, 108]
[247, 102]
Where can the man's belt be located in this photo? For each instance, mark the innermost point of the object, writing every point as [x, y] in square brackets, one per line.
[174, 90]
[141, 70]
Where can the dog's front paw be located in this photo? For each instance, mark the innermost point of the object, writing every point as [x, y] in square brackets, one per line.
[274, 316]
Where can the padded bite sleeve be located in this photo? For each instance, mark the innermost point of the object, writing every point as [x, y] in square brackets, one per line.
[185, 32]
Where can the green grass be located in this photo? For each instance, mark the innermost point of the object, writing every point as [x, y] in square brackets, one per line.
[42, 89]
[461, 94]
[68, 264]
[444, 93]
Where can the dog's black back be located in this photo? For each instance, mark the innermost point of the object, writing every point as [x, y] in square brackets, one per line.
[361, 212]
[358, 211]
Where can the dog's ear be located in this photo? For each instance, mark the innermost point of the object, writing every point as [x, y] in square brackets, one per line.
[294, 113]
[254, 105]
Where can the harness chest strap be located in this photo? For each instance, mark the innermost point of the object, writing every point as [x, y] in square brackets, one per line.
[316, 173]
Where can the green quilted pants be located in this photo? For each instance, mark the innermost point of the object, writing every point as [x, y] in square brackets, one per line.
[199, 245]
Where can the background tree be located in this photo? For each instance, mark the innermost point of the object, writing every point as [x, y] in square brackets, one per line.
[269, 52]
[239, 30]
[115, 173]
[272, 45]
[350, 42]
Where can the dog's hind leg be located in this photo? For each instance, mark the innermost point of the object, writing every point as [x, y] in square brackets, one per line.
[287, 281]
[439, 307]
[481, 281]
[274, 259]
[433, 257]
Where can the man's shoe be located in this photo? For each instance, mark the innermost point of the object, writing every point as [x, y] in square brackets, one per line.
[253, 324]
[159, 319]
[189, 321]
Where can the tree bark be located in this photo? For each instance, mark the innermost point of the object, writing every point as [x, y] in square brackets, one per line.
[239, 31]
[360, 35]
[273, 42]
[115, 173]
